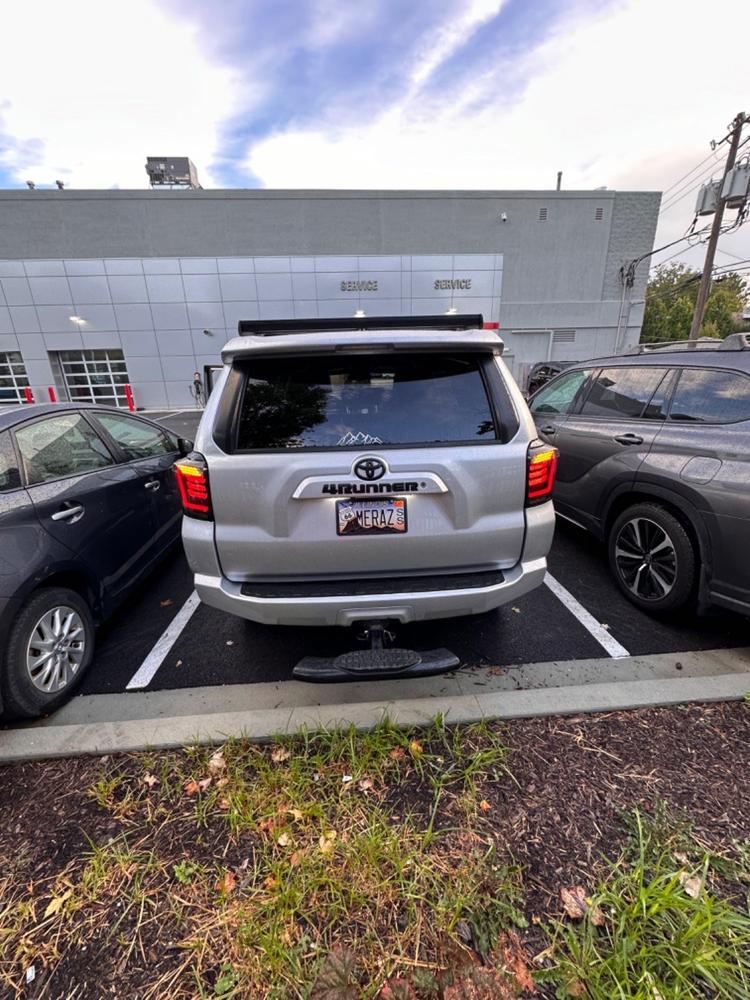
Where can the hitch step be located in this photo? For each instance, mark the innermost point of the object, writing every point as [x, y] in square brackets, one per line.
[375, 664]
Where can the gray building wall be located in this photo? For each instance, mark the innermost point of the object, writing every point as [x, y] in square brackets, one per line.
[66, 253]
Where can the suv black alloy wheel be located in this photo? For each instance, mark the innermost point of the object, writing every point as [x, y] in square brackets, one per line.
[652, 558]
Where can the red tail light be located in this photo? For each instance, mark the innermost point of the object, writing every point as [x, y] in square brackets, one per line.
[541, 474]
[192, 480]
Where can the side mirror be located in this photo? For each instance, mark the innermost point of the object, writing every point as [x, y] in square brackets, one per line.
[184, 446]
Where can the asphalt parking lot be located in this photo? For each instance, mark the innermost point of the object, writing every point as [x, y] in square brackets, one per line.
[163, 639]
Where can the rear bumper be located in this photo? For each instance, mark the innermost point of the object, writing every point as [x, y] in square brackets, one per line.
[347, 609]
[408, 605]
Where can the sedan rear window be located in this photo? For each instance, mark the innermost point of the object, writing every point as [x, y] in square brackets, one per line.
[359, 400]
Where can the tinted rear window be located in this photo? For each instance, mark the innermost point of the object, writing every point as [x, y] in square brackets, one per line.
[361, 400]
[622, 392]
[710, 396]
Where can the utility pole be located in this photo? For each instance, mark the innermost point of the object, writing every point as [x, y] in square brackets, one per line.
[705, 285]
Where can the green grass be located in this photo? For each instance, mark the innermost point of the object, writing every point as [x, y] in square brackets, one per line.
[659, 941]
[256, 862]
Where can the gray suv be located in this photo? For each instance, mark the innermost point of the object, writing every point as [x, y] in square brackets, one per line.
[366, 471]
[655, 460]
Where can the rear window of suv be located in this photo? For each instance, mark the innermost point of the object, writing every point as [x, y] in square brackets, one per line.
[359, 400]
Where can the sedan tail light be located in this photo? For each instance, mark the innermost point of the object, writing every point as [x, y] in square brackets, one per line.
[542, 465]
[192, 480]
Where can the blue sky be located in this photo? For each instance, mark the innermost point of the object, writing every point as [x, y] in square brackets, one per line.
[374, 94]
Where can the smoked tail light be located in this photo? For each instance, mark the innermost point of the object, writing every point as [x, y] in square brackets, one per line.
[192, 480]
[540, 477]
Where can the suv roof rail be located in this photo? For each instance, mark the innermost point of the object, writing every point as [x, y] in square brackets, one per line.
[277, 327]
[732, 342]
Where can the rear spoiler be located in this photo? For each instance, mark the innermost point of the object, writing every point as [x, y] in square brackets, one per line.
[279, 327]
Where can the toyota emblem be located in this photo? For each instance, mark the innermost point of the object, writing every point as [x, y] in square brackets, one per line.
[369, 469]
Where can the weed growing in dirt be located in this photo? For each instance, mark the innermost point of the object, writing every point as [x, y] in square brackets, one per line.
[248, 865]
[662, 933]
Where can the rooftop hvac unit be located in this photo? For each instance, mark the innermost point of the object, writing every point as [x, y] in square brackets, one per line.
[737, 185]
[708, 198]
[170, 171]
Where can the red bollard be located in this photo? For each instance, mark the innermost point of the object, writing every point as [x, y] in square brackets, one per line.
[28, 394]
[129, 397]
[52, 396]
[491, 326]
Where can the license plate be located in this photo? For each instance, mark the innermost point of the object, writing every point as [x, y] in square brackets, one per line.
[371, 517]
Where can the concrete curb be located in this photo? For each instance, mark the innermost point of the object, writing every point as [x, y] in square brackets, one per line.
[43, 741]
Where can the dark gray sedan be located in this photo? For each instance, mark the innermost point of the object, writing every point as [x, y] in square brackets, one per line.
[88, 506]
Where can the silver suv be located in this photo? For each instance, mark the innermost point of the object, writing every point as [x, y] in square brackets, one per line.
[376, 471]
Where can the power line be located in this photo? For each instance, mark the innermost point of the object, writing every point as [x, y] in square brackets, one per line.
[689, 188]
[711, 156]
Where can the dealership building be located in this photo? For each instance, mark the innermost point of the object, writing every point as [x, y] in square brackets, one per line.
[103, 289]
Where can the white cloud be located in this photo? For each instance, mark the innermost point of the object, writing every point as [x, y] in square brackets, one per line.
[104, 85]
[627, 99]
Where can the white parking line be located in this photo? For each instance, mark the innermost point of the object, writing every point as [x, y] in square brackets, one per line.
[592, 626]
[147, 670]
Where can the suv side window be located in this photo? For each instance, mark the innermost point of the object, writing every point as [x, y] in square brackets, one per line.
[707, 395]
[622, 392]
[60, 446]
[9, 475]
[136, 438]
[559, 395]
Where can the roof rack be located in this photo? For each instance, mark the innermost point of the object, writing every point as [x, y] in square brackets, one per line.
[732, 342]
[277, 327]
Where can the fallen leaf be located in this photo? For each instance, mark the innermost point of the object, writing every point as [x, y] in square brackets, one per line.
[230, 642]
[217, 762]
[691, 884]
[681, 857]
[191, 787]
[267, 824]
[224, 803]
[577, 904]
[336, 980]
[485, 806]
[516, 610]
[326, 841]
[280, 754]
[346, 778]
[296, 814]
[365, 784]
[575, 988]
[165, 604]
[270, 882]
[179, 663]
[227, 883]
[517, 961]
[283, 839]
[204, 783]
[294, 858]
[222, 782]
[56, 902]
[397, 753]
[495, 671]
[397, 989]
[416, 748]
[574, 902]
[150, 780]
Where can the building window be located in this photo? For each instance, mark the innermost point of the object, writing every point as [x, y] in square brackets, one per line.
[599, 214]
[94, 376]
[542, 214]
[13, 378]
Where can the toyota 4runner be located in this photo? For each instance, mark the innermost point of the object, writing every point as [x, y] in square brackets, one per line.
[375, 471]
